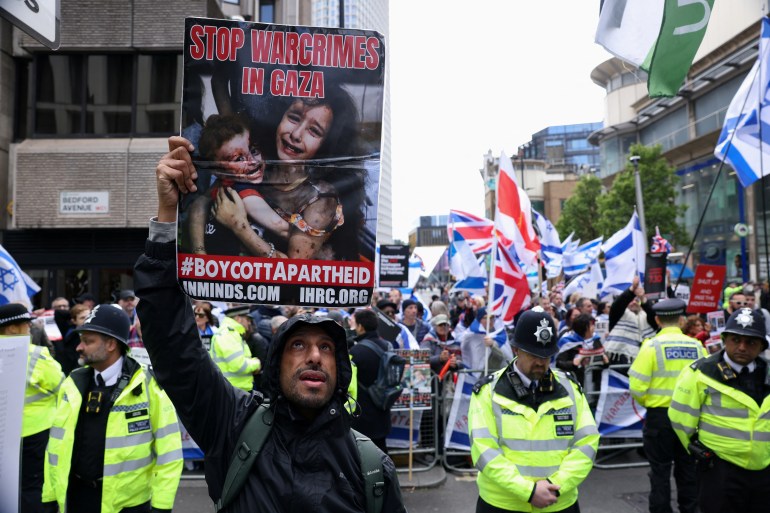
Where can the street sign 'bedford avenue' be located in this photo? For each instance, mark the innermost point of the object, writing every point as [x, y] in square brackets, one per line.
[38, 18]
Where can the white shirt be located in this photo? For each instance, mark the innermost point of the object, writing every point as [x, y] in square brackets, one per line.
[524, 379]
[738, 367]
[111, 374]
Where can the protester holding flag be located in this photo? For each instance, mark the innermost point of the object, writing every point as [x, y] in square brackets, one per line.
[482, 349]
[652, 379]
[582, 337]
[631, 322]
[529, 461]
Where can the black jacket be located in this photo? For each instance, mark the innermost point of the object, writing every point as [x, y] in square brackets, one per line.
[302, 466]
[372, 421]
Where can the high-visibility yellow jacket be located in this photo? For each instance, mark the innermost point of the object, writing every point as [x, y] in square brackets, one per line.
[726, 420]
[44, 376]
[653, 374]
[233, 356]
[514, 446]
[143, 446]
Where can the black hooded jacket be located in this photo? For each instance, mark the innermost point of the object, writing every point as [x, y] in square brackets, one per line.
[303, 466]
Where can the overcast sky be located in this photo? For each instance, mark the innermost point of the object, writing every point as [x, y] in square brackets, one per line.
[467, 77]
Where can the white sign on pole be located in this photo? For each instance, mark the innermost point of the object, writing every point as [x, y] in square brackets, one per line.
[84, 202]
[38, 18]
[13, 368]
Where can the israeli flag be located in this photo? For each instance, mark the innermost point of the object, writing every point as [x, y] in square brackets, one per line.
[579, 261]
[15, 285]
[467, 268]
[624, 257]
[742, 143]
[550, 245]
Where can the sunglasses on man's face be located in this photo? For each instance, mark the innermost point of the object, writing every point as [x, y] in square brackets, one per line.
[200, 314]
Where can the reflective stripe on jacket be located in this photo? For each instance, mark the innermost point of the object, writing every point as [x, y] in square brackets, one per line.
[653, 374]
[44, 376]
[143, 446]
[514, 446]
[232, 355]
[726, 420]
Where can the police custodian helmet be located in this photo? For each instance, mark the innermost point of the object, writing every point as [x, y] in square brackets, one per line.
[747, 322]
[108, 320]
[535, 333]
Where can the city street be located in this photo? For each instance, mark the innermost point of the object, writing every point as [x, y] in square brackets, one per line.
[605, 491]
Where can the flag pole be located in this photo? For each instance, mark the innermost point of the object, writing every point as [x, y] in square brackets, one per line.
[762, 181]
[708, 199]
[490, 291]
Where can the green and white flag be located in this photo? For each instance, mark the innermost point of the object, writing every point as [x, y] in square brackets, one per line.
[659, 36]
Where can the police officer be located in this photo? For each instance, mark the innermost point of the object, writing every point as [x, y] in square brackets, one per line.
[533, 437]
[720, 412]
[115, 444]
[652, 378]
[230, 351]
[44, 376]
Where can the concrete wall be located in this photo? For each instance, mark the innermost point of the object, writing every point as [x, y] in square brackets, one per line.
[123, 167]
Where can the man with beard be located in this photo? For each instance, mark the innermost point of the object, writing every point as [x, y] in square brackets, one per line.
[533, 436]
[115, 444]
[719, 411]
[308, 461]
[230, 351]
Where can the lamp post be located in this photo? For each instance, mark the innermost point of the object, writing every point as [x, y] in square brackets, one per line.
[639, 199]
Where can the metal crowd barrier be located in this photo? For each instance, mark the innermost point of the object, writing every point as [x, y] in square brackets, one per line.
[454, 460]
[612, 447]
[424, 452]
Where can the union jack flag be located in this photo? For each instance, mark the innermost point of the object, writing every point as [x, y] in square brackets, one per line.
[659, 244]
[510, 290]
[476, 231]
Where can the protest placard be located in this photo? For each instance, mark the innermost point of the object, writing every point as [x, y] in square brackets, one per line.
[706, 288]
[286, 122]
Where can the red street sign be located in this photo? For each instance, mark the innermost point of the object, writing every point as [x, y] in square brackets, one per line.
[706, 288]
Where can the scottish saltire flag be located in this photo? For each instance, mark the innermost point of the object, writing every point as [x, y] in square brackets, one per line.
[513, 215]
[468, 269]
[659, 36]
[578, 261]
[624, 257]
[15, 285]
[510, 289]
[659, 244]
[740, 144]
[550, 245]
[476, 231]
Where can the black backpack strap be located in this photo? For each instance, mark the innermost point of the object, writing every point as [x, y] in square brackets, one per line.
[372, 346]
[371, 469]
[250, 441]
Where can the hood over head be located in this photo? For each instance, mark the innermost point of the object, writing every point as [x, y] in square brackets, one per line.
[337, 333]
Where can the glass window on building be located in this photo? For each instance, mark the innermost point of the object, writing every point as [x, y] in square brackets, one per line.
[106, 94]
[710, 108]
[669, 131]
[158, 96]
[267, 12]
[716, 243]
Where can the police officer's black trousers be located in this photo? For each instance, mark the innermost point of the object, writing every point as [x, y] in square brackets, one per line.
[32, 464]
[663, 448]
[727, 488]
[484, 507]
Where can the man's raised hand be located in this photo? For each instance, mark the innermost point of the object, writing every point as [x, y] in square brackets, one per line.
[175, 173]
